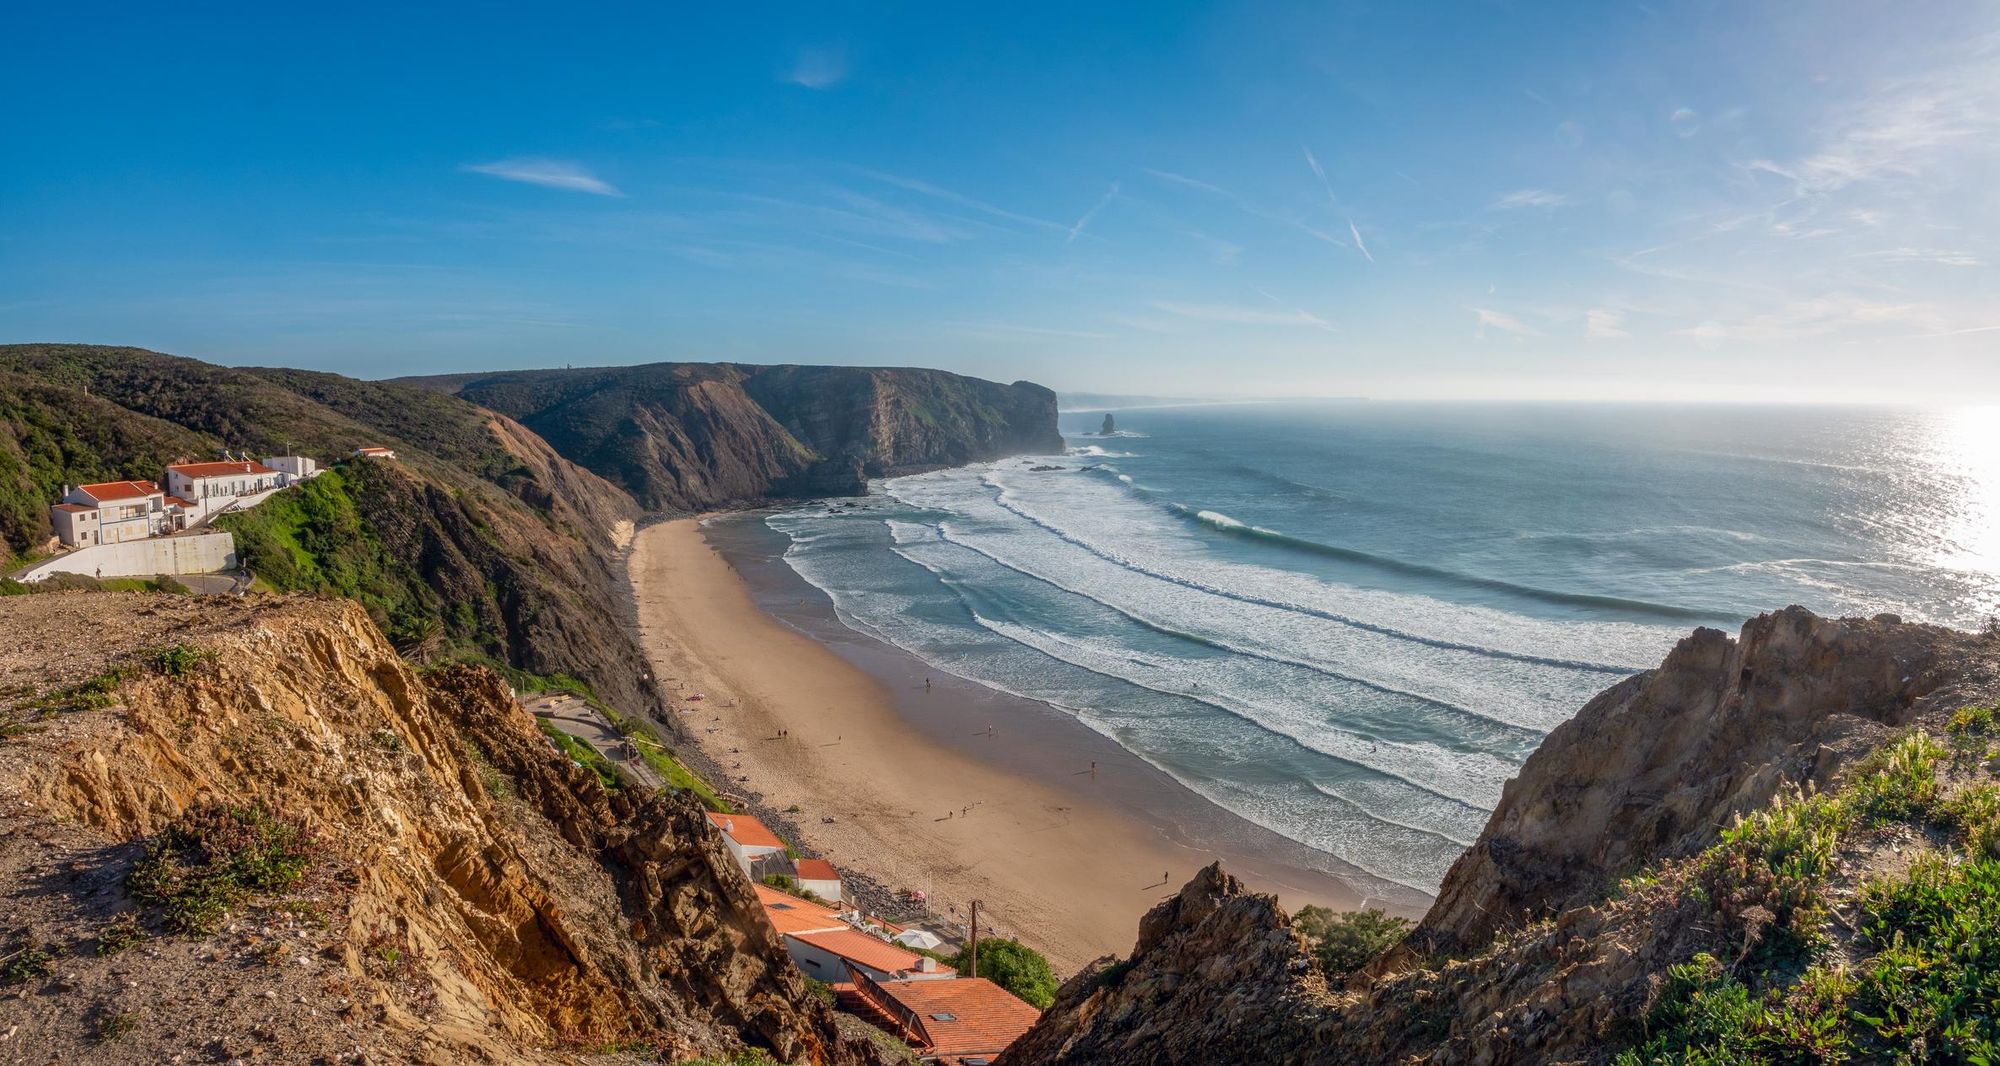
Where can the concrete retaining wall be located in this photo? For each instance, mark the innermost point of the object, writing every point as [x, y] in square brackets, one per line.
[194, 553]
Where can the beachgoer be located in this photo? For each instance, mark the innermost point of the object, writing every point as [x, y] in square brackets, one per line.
[927, 684]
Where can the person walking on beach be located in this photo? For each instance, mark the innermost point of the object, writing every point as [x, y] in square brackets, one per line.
[927, 684]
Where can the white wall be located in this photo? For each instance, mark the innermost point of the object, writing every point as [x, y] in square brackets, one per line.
[198, 553]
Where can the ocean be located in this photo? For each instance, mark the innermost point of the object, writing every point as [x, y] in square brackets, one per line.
[1350, 622]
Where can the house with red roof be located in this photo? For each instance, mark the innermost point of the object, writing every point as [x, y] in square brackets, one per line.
[967, 1022]
[835, 955]
[818, 877]
[109, 512]
[213, 485]
[748, 839]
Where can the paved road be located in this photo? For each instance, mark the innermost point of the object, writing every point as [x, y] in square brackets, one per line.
[581, 720]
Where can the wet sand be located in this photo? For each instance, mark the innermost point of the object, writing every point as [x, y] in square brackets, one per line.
[934, 783]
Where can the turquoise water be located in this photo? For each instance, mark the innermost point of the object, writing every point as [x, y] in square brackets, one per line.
[1351, 622]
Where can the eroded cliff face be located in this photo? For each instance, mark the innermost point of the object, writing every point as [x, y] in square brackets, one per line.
[1656, 764]
[481, 898]
[683, 436]
[1533, 953]
[1217, 976]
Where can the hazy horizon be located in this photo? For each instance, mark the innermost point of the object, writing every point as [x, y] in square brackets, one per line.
[1682, 202]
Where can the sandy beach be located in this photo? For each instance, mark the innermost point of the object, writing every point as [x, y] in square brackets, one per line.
[808, 728]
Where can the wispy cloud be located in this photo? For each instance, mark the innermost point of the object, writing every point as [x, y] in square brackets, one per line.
[1083, 221]
[918, 185]
[1818, 317]
[1604, 324]
[1244, 205]
[1490, 319]
[1320, 173]
[1962, 332]
[1530, 198]
[1942, 257]
[1358, 242]
[1236, 314]
[549, 173]
[818, 68]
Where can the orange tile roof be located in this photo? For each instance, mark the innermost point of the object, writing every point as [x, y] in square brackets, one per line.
[74, 508]
[790, 914]
[858, 947]
[746, 830]
[817, 870]
[178, 502]
[376, 451]
[118, 490]
[981, 1017]
[220, 469]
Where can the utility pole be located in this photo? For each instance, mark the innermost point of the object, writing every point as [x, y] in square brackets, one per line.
[972, 950]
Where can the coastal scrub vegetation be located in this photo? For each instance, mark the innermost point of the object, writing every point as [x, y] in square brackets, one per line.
[315, 539]
[581, 752]
[215, 857]
[1894, 961]
[646, 740]
[1345, 941]
[1013, 966]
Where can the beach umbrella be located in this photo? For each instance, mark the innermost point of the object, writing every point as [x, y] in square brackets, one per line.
[919, 938]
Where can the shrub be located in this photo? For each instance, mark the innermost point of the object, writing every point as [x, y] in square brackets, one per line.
[215, 856]
[24, 965]
[1345, 942]
[114, 1025]
[118, 934]
[95, 694]
[1899, 783]
[1013, 966]
[180, 660]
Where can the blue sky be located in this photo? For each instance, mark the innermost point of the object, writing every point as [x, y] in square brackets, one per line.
[1734, 201]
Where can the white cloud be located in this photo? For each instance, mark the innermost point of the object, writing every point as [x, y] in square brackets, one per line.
[819, 68]
[1076, 231]
[1530, 198]
[1604, 324]
[1243, 316]
[1942, 257]
[1817, 317]
[1490, 319]
[549, 173]
[1358, 242]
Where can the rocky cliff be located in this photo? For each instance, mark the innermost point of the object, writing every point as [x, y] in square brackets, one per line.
[480, 540]
[683, 436]
[461, 893]
[1591, 912]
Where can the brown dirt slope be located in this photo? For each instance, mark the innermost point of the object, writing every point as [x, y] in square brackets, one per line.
[476, 897]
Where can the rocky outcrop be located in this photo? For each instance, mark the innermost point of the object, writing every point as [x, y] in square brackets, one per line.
[1528, 955]
[1653, 766]
[1217, 975]
[490, 901]
[684, 436]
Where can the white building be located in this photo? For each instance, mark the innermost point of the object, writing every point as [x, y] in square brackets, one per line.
[292, 469]
[374, 453]
[818, 877]
[200, 483]
[109, 512]
[748, 839]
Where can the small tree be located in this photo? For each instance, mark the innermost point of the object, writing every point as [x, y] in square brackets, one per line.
[1013, 966]
[1345, 942]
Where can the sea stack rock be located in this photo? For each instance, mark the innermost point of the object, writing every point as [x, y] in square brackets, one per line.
[1110, 426]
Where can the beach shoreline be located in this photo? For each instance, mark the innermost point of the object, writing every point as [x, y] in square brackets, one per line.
[931, 782]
